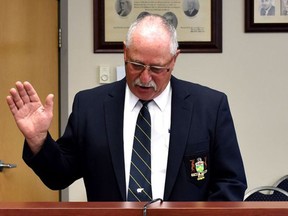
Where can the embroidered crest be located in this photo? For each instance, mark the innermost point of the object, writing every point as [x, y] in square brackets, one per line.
[199, 168]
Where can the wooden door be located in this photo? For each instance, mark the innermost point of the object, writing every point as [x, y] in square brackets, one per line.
[28, 51]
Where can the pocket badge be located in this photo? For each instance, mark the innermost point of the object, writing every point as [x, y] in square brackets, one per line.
[199, 168]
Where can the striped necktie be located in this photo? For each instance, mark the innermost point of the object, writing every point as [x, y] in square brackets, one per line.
[140, 171]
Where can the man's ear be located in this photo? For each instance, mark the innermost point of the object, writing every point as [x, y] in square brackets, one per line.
[177, 53]
[124, 49]
[175, 58]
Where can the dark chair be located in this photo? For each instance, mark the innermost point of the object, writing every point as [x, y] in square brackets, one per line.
[266, 193]
[282, 183]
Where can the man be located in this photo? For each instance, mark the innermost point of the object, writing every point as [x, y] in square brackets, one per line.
[191, 11]
[194, 150]
[125, 7]
[172, 18]
[267, 8]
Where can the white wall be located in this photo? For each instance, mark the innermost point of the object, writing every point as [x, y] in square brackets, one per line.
[252, 71]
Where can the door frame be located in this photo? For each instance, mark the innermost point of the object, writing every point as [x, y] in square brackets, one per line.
[63, 76]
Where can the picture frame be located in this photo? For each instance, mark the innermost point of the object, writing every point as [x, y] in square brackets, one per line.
[259, 20]
[206, 31]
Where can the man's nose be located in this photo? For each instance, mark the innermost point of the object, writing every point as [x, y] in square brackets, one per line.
[145, 75]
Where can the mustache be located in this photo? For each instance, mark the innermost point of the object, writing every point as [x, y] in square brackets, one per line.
[151, 84]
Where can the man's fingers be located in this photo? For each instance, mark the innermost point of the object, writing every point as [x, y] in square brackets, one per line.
[11, 104]
[49, 103]
[33, 96]
[22, 92]
[15, 97]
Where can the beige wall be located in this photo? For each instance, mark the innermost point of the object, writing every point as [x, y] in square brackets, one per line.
[252, 71]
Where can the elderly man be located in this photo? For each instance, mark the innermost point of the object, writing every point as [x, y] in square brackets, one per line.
[184, 147]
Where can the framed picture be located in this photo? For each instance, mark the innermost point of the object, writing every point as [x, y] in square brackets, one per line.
[198, 32]
[266, 15]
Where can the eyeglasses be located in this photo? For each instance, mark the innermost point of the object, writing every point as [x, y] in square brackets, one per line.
[136, 66]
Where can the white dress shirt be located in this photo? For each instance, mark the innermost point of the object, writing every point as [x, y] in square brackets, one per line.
[160, 112]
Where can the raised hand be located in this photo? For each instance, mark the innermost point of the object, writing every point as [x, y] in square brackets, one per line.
[32, 118]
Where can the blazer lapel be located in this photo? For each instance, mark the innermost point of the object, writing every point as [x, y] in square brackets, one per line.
[114, 111]
[181, 114]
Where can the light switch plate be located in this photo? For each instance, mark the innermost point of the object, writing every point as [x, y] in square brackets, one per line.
[104, 74]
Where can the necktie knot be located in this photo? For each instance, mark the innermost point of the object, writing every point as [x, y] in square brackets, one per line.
[145, 102]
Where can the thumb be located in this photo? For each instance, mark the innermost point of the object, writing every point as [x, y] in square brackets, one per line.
[49, 102]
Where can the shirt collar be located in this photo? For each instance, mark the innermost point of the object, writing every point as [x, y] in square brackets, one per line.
[162, 99]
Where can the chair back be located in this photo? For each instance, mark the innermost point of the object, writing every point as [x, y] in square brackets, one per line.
[282, 183]
[266, 193]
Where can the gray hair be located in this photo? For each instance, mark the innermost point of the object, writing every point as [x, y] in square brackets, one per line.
[165, 24]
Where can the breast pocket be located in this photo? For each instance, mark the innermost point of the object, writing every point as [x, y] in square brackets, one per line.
[196, 161]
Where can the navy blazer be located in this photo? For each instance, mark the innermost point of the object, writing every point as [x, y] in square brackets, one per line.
[204, 161]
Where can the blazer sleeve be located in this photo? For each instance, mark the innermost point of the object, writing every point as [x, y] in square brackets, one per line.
[228, 180]
[58, 164]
